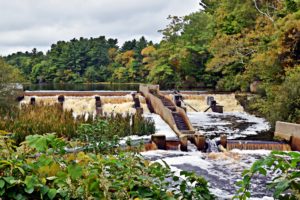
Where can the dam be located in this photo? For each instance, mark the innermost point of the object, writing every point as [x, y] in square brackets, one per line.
[174, 137]
[182, 117]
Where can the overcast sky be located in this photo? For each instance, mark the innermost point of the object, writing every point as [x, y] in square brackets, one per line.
[25, 24]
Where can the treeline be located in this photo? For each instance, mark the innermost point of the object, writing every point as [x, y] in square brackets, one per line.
[230, 45]
[80, 60]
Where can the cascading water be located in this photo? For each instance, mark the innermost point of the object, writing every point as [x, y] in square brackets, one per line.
[198, 102]
[144, 104]
[82, 105]
[117, 104]
[46, 100]
[211, 146]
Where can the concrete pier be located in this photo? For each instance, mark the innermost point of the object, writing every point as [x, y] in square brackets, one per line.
[289, 132]
[160, 141]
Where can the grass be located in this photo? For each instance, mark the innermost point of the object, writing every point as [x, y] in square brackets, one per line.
[42, 119]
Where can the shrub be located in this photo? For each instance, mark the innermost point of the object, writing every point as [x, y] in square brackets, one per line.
[40, 119]
[103, 134]
[41, 169]
[282, 102]
[126, 125]
[227, 84]
[286, 183]
[97, 137]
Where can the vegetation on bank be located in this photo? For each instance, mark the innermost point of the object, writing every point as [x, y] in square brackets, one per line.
[42, 119]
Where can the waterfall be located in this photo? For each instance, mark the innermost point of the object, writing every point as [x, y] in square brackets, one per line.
[211, 146]
[80, 105]
[198, 102]
[87, 105]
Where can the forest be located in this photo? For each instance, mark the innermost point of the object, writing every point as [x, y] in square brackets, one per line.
[236, 46]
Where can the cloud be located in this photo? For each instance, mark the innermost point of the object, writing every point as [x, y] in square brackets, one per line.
[30, 23]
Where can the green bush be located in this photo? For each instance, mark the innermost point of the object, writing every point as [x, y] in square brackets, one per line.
[104, 133]
[97, 137]
[282, 103]
[126, 125]
[227, 84]
[285, 183]
[41, 169]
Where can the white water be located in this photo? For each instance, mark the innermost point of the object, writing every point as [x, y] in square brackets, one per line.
[222, 170]
[86, 104]
[114, 103]
[211, 146]
[199, 102]
[80, 105]
[161, 127]
[232, 124]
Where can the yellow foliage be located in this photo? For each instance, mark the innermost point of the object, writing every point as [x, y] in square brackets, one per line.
[83, 158]
[112, 53]
[3, 132]
[289, 41]
[49, 170]
[128, 54]
[148, 51]
[125, 58]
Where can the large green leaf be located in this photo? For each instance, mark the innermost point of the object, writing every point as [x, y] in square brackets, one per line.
[2, 183]
[75, 171]
[52, 193]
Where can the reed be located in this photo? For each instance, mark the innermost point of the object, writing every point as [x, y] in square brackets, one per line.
[40, 119]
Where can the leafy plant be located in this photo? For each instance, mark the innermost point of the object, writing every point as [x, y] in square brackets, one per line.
[286, 183]
[41, 169]
[103, 134]
[96, 136]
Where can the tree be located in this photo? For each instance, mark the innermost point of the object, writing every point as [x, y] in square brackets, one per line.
[129, 45]
[163, 75]
[10, 77]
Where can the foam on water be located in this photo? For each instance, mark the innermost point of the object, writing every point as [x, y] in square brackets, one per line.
[86, 104]
[222, 170]
[80, 105]
[233, 124]
[119, 108]
[212, 146]
[116, 99]
[227, 100]
[46, 100]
